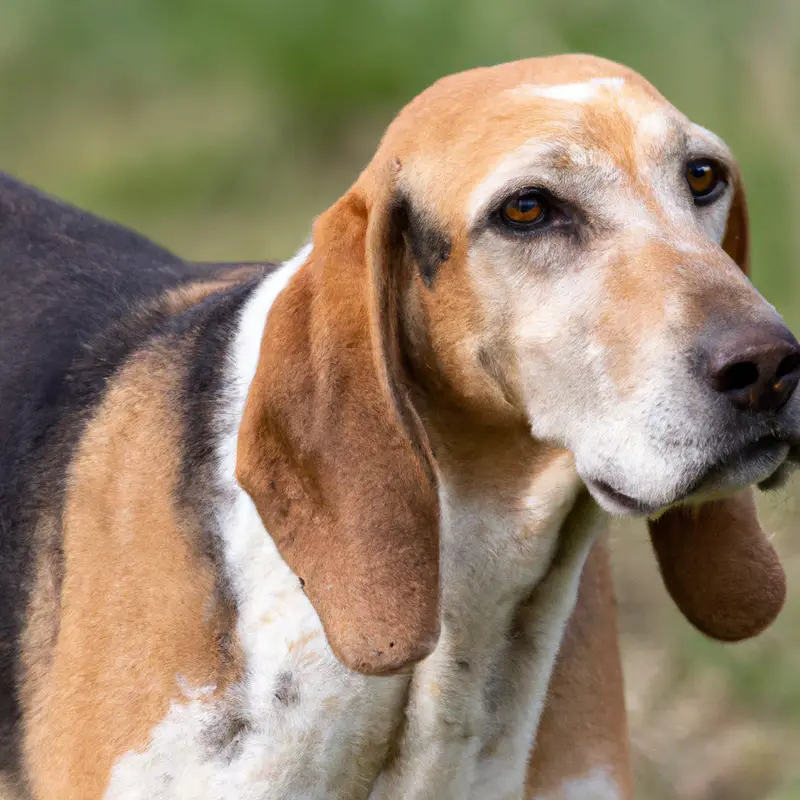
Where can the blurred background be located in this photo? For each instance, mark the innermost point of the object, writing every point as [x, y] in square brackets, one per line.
[219, 128]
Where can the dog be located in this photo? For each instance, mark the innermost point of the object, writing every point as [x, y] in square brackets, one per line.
[336, 528]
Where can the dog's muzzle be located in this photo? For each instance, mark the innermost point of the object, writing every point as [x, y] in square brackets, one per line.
[748, 378]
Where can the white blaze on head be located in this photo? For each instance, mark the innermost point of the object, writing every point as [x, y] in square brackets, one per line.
[582, 92]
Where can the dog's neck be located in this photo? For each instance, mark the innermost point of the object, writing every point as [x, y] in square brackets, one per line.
[474, 704]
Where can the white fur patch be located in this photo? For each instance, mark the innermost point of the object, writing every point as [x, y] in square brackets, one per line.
[652, 126]
[582, 92]
[251, 329]
[597, 785]
[528, 662]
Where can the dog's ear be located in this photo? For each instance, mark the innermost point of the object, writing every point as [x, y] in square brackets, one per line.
[716, 562]
[736, 242]
[330, 447]
[719, 568]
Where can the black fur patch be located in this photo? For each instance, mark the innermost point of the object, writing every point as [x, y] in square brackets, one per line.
[286, 691]
[430, 246]
[209, 327]
[225, 735]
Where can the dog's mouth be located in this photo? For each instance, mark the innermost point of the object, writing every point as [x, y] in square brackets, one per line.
[618, 502]
[766, 462]
[758, 463]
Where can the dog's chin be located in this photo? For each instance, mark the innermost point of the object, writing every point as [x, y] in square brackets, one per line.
[617, 502]
[766, 463]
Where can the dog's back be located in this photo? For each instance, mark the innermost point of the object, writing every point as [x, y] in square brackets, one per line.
[78, 295]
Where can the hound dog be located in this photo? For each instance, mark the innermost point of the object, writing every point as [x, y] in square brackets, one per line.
[318, 531]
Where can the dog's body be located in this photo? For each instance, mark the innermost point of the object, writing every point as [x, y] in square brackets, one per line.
[240, 501]
[104, 300]
[80, 296]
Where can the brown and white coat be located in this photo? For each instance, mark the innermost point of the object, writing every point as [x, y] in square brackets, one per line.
[319, 530]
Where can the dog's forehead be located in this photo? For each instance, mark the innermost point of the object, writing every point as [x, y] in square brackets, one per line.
[577, 110]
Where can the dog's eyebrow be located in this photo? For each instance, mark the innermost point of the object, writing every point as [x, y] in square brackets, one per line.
[701, 141]
[541, 164]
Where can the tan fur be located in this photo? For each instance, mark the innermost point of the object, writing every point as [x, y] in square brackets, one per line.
[136, 614]
[176, 300]
[635, 307]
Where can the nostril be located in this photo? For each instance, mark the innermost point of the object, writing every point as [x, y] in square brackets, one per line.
[737, 376]
[787, 366]
[756, 370]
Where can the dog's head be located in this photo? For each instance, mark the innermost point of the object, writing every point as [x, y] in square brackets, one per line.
[557, 244]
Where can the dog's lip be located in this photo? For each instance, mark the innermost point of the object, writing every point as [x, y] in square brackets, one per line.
[766, 448]
[715, 478]
[619, 501]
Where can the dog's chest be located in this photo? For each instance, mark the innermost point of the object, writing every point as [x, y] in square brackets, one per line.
[300, 724]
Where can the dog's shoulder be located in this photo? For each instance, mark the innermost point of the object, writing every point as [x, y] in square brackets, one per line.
[66, 277]
[82, 300]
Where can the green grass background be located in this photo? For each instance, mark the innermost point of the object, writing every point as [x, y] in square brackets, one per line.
[220, 128]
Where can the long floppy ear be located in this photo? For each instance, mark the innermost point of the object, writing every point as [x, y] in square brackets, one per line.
[717, 564]
[331, 449]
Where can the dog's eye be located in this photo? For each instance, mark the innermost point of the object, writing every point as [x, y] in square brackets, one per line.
[526, 209]
[706, 179]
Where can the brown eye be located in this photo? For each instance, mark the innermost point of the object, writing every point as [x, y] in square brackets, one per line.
[526, 209]
[705, 179]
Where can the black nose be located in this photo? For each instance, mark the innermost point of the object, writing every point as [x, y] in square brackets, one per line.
[757, 370]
